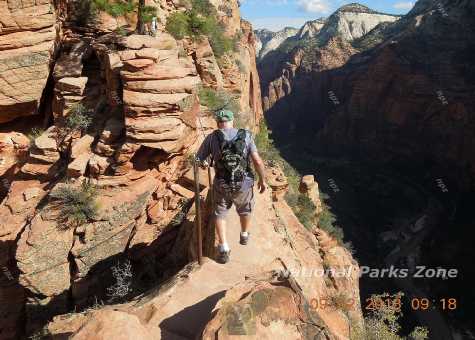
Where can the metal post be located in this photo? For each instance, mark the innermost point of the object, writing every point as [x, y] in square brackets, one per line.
[198, 210]
[210, 182]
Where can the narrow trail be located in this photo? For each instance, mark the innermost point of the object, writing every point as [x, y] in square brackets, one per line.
[188, 307]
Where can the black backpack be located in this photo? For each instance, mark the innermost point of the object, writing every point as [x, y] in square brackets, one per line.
[233, 164]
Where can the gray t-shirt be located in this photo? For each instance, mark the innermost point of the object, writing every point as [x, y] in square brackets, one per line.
[212, 147]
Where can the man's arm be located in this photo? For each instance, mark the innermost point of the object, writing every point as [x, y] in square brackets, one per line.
[260, 168]
[204, 151]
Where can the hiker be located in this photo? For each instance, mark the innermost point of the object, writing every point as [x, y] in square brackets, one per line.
[231, 152]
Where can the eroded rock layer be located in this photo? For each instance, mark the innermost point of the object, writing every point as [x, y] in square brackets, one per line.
[27, 38]
[138, 94]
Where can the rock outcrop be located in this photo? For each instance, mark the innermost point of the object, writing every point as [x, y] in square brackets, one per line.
[267, 41]
[263, 310]
[309, 187]
[28, 33]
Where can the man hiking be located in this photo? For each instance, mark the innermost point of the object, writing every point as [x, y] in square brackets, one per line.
[231, 152]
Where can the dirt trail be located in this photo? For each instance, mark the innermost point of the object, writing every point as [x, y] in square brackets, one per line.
[189, 306]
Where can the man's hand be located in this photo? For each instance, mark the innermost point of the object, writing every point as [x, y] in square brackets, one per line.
[261, 185]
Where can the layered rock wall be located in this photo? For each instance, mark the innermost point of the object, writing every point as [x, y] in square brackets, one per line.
[140, 94]
[28, 33]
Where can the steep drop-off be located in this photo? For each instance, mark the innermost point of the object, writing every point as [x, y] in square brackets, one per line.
[397, 98]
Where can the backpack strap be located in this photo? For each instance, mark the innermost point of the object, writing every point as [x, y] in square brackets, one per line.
[219, 135]
[245, 161]
[240, 141]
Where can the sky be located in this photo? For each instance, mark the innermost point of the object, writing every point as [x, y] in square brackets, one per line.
[277, 14]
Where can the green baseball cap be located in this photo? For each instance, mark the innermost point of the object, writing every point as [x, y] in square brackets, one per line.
[224, 115]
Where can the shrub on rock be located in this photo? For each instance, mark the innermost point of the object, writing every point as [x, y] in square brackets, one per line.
[76, 206]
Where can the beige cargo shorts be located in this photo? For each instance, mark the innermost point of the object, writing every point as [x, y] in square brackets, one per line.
[243, 200]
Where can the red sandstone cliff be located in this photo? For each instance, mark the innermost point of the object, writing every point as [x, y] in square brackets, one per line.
[142, 90]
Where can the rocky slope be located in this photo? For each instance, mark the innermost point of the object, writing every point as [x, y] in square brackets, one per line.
[310, 28]
[141, 92]
[329, 37]
[392, 93]
[399, 97]
[267, 41]
[352, 21]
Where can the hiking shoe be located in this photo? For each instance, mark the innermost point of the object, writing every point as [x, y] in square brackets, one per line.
[243, 239]
[223, 256]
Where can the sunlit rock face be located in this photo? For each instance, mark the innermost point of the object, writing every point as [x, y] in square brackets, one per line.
[27, 39]
[267, 41]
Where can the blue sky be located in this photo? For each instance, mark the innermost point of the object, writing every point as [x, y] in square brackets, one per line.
[277, 14]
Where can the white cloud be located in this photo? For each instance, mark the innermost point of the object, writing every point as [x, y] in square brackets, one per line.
[314, 6]
[278, 23]
[403, 5]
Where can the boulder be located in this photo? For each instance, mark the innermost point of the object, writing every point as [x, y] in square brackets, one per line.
[110, 324]
[137, 64]
[98, 165]
[148, 53]
[81, 146]
[30, 193]
[78, 167]
[72, 85]
[182, 191]
[277, 181]
[265, 310]
[163, 41]
[13, 146]
[46, 143]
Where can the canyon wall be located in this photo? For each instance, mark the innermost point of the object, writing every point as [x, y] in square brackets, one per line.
[400, 93]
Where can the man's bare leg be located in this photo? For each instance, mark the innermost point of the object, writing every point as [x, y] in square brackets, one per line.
[221, 231]
[245, 222]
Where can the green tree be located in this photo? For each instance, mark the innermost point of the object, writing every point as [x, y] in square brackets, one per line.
[120, 8]
[198, 21]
